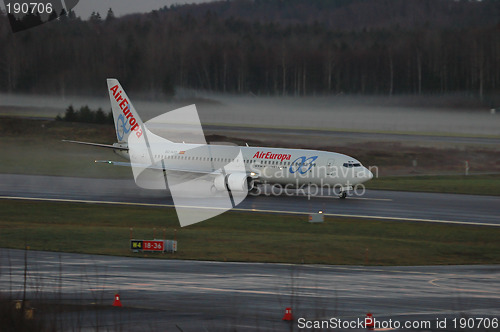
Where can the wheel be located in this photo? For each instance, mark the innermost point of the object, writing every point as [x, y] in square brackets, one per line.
[343, 194]
[255, 191]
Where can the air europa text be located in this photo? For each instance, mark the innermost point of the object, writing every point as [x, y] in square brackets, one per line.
[125, 107]
[270, 155]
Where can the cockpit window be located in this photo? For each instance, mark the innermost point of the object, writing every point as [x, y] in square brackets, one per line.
[351, 164]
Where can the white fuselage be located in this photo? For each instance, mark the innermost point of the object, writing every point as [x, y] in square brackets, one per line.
[292, 167]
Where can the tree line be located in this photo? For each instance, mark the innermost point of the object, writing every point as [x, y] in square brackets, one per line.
[293, 48]
[86, 115]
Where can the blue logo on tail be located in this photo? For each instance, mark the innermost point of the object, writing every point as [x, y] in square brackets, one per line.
[121, 127]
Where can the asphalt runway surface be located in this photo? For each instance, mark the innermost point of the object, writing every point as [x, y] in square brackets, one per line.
[394, 205]
[175, 295]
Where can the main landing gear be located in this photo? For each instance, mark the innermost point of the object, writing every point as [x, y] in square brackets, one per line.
[343, 194]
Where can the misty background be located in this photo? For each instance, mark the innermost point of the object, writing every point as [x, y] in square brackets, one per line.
[371, 65]
[264, 47]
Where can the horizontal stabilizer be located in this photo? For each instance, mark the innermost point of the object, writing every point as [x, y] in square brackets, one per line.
[116, 147]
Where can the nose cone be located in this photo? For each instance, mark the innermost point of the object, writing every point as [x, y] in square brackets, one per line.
[365, 175]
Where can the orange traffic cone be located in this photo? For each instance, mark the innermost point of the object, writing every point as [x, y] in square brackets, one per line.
[288, 314]
[369, 322]
[117, 302]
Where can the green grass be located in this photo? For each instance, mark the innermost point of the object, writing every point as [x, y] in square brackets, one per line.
[36, 147]
[105, 229]
[457, 184]
[53, 157]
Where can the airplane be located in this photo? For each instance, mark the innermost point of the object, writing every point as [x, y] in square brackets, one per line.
[241, 169]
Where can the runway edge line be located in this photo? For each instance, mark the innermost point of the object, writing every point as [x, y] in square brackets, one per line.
[64, 200]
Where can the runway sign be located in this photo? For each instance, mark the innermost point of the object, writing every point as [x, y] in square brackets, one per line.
[136, 245]
[147, 245]
[153, 245]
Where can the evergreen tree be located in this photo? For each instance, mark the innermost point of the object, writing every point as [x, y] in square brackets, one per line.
[110, 15]
[95, 17]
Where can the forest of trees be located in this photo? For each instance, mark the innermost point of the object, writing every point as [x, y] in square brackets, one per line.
[86, 115]
[264, 47]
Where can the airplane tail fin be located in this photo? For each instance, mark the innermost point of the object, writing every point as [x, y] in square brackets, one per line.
[127, 121]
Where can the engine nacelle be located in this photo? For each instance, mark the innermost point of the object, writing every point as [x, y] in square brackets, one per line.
[234, 182]
[220, 182]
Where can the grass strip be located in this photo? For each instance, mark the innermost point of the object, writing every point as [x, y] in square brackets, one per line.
[456, 184]
[246, 237]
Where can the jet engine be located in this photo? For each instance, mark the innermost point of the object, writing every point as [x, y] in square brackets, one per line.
[234, 182]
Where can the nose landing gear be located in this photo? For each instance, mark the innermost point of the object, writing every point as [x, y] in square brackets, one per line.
[344, 190]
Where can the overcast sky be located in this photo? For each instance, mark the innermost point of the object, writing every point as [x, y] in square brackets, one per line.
[121, 7]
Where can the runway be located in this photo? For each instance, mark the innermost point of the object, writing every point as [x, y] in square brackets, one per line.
[400, 206]
[175, 295]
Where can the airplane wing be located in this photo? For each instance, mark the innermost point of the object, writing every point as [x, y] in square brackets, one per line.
[158, 167]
